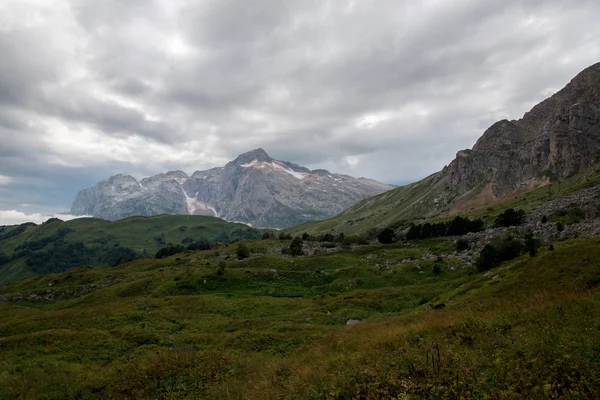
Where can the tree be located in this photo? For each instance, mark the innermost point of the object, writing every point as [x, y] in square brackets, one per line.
[267, 235]
[284, 236]
[242, 251]
[414, 232]
[328, 237]
[305, 236]
[296, 247]
[386, 236]
[510, 217]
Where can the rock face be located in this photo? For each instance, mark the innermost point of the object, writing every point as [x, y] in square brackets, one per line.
[557, 138]
[254, 188]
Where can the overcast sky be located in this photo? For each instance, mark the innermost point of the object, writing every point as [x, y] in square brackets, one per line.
[387, 89]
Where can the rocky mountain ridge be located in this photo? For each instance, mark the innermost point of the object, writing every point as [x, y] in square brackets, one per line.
[254, 189]
[558, 138]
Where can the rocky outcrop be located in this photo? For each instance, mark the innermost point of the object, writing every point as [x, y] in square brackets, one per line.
[557, 138]
[254, 188]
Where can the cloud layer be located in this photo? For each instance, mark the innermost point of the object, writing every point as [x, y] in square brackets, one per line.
[384, 88]
[14, 217]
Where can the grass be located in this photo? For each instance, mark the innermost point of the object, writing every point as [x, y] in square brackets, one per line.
[275, 327]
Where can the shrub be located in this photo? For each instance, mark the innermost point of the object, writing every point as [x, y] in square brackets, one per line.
[242, 251]
[544, 219]
[285, 236]
[462, 244]
[488, 258]
[386, 236]
[532, 244]
[436, 269]
[221, 268]
[493, 254]
[328, 237]
[296, 247]
[560, 226]
[169, 251]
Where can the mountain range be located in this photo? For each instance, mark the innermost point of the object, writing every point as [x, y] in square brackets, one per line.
[254, 189]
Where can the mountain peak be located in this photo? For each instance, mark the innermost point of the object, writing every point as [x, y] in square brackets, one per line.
[257, 154]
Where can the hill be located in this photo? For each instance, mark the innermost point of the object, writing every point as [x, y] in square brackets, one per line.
[406, 320]
[56, 246]
[558, 139]
[254, 188]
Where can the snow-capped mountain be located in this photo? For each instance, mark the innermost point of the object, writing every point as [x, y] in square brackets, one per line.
[254, 188]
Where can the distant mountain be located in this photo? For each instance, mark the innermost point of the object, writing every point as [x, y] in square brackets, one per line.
[558, 138]
[254, 189]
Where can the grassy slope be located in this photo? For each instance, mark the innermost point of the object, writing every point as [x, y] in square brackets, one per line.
[142, 234]
[404, 203]
[274, 327]
[416, 201]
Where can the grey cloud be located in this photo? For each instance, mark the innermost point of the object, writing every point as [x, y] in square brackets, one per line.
[220, 77]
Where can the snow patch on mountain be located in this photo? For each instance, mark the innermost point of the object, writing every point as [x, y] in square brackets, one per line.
[274, 166]
[295, 174]
[194, 205]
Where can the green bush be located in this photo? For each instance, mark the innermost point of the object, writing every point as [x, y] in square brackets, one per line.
[242, 251]
[462, 244]
[386, 236]
[495, 253]
[296, 247]
[221, 268]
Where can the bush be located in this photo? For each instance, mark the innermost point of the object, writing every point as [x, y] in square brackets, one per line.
[285, 236]
[488, 258]
[532, 244]
[296, 247]
[221, 268]
[493, 254]
[169, 251]
[462, 244]
[560, 226]
[436, 269]
[328, 237]
[386, 236]
[242, 251]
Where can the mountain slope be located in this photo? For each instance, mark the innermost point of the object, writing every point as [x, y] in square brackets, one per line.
[558, 138]
[254, 188]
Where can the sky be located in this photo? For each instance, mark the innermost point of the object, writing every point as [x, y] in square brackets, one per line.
[386, 89]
